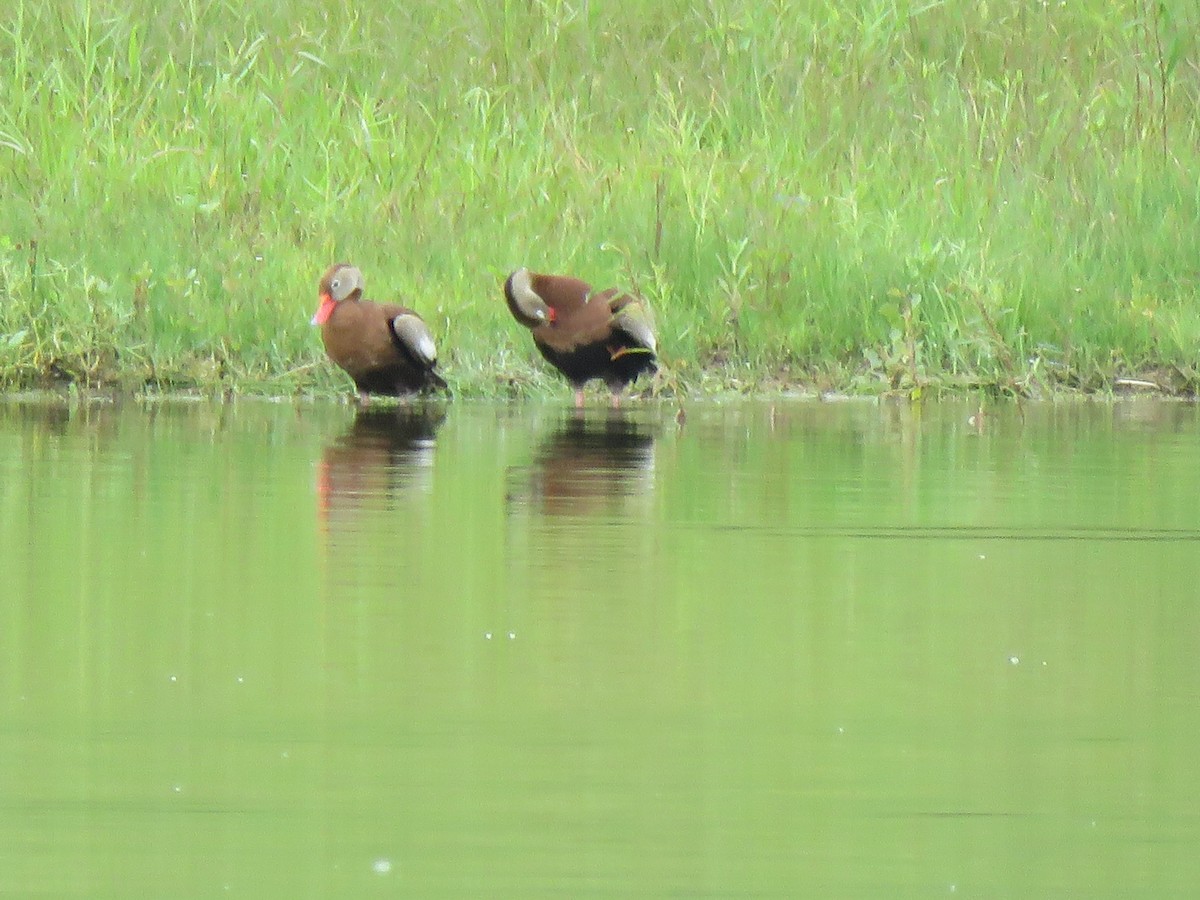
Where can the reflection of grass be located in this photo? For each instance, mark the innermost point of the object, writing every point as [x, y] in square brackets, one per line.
[866, 196]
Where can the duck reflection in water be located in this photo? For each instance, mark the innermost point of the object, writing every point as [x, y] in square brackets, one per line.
[586, 467]
[385, 452]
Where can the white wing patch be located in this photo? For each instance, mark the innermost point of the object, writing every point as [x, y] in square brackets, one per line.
[426, 349]
[416, 337]
[635, 322]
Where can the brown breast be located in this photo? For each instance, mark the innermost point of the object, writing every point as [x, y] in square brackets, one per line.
[358, 336]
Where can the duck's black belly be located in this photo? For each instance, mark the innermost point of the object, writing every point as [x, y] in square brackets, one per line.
[616, 363]
[398, 381]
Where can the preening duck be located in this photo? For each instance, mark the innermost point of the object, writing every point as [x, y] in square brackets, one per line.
[585, 334]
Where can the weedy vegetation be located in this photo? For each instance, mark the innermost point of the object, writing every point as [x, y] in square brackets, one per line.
[864, 197]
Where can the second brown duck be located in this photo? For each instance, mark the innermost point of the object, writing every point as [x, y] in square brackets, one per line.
[585, 334]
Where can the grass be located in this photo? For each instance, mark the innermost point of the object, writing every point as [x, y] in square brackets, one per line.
[873, 196]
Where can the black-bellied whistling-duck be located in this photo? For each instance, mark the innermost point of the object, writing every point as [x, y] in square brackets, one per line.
[386, 348]
[585, 334]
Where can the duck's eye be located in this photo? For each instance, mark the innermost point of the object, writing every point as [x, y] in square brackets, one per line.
[335, 284]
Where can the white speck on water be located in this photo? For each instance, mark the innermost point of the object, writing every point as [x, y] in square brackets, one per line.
[284, 754]
[1043, 662]
[953, 888]
[487, 635]
[841, 730]
[512, 635]
[1014, 660]
[381, 866]
[177, 788]
[241, 679]
[983, 556]
[173, 679]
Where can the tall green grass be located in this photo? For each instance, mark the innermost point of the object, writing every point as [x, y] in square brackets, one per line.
[871, 195]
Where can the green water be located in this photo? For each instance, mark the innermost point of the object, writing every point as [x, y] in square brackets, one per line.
[484, 650]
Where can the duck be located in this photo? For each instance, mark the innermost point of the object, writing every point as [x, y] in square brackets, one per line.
[385, 348]
[585, 334]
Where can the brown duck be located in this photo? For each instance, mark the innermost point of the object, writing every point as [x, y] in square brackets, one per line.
[386, 348]
[583, 333]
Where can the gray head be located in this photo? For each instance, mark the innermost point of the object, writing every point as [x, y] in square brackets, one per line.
[524, 302]
[341, 281]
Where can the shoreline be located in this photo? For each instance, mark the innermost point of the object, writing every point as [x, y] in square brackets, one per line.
[543, 392]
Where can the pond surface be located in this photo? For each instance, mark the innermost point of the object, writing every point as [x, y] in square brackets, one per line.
[790, 649]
